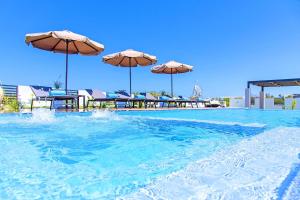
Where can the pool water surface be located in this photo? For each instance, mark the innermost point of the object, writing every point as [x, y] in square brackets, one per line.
[108, 155]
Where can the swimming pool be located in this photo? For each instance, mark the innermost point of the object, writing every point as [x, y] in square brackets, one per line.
[108, 155]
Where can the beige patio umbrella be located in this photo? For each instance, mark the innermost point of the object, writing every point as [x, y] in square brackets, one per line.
[64, 42]
[171, 67]
[130, 58]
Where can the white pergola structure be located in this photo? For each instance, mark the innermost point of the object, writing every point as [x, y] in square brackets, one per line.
[267, 83]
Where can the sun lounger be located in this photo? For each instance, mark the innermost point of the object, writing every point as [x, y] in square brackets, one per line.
[162, 99]
[47, 94]
[197, 101]
[150, 100]
[140, 98]
[182, 101]
[99, 96]
[125, 98]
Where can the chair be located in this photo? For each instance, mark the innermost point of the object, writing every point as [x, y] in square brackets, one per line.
[41, 94]
[149, 99]
[99, 96]
[47, 94]
[125, 96]
[183, 101]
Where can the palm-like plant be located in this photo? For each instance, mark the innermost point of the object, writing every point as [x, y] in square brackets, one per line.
[57, 85]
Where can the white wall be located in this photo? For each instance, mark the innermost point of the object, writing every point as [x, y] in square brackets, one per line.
[280, 107]
[256, 103]
[236, 102]
[87, 97]
[288, 103]
[297, 103]
[269, 103]
[25, 96]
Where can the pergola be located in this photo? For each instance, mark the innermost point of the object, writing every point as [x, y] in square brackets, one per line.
[267, 83]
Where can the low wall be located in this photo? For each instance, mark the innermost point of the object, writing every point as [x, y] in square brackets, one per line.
[236, 102]
[87, 97]
[269, 103]
[297, 103]
[288, 103]
[25, 96]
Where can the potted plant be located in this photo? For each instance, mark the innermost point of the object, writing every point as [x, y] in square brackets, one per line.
[56, 89]
[57, 85]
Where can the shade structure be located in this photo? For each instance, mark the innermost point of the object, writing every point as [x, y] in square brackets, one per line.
[172, 67]
[64, 42]
[130, 58]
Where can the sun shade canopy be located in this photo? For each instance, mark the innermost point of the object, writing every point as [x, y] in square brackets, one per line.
[130, 58]
[57, 41]
[172, 67]
[276, 83]
[65, 42]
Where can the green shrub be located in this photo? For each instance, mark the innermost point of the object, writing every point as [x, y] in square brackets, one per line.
[10, 104]
[294, 103]
[227, 101]
[155, 94]
[278, 101]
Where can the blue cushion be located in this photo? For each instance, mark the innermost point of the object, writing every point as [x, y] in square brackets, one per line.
[140, 96]
[57, 93]
[111, 95]
[164, 98]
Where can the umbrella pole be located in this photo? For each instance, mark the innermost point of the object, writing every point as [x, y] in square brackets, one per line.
[66, 80]
[67, 60]
[130, 77]
[171, 83]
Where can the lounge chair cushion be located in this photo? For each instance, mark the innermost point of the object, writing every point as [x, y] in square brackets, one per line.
[40, 91]
[57, 93]
[164, 98]
[148, 96]
[123, 94]
[140, 96]
[111, 95]
[96, 94]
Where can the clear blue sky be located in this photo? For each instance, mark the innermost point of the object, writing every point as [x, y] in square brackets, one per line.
[228, 42]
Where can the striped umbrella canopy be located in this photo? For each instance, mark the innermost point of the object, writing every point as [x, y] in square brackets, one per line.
[172, 67]
[130, 58]
[64, 42]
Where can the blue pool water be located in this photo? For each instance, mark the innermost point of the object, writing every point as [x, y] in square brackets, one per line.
[105, 155]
